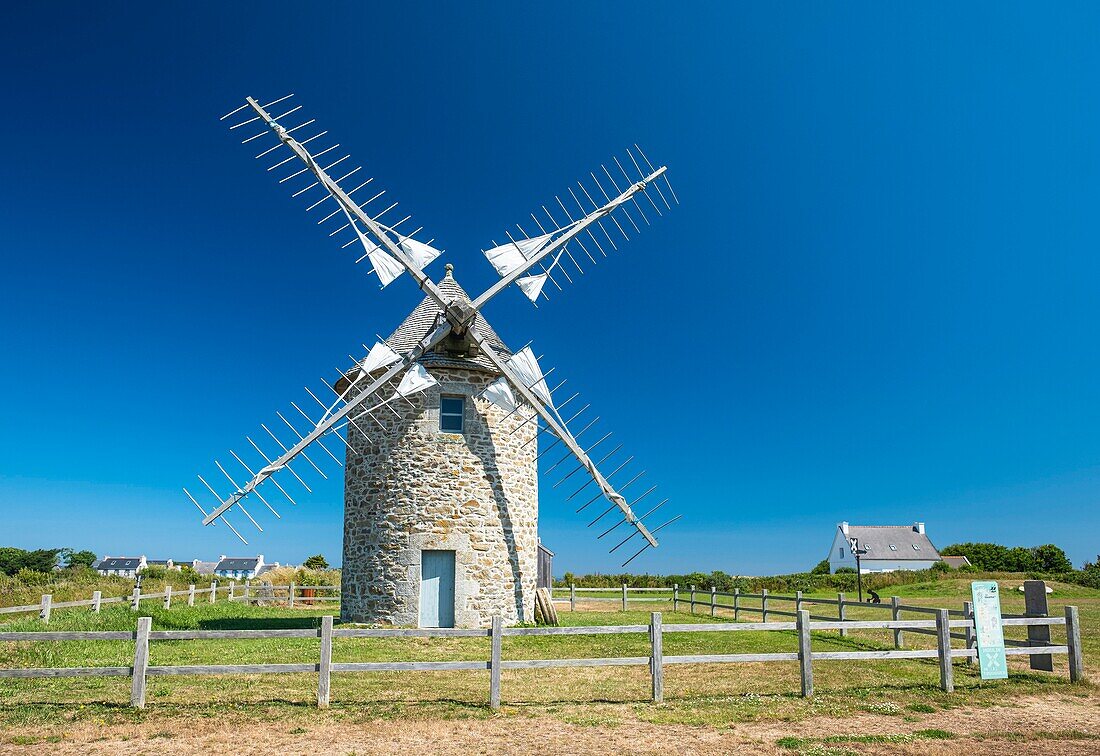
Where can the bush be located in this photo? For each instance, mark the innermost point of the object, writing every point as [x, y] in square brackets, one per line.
[154, 572]
[822, 568]
[845, 571]
[316, 562]
[940, 567]
[993, 557]
[33, 577]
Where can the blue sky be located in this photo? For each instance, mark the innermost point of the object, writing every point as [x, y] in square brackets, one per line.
[875, 303]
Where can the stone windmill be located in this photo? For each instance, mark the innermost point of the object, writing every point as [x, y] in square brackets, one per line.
[440, 422]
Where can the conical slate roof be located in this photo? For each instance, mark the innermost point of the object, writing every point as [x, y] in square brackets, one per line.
[423, 319]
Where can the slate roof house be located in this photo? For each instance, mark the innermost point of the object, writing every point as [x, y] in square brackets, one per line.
[124, 566]
[242, 567]
[889, 548]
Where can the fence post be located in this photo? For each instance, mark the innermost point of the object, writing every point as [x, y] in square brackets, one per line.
[290, 593]
[840, 613]
[798, 601]
[141, 661]
[167, 597]
[1035, 605]
[191, 595]
[1073, 643]
[736, 604]
[247, 591]
[712, 590]
[572, 597]
[232, 585]
[656, 657]
[763, 604]
[213, 591]
[497, 631]
[135, 599]
[47, 604]
[624, 597]
[675, 596]
[97, 600]
[324, 669]
[692, 602]
[805, 656]
[899, 639]
[968, 612]
[943, 650]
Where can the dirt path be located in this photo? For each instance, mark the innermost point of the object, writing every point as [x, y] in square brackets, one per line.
[1037, 725]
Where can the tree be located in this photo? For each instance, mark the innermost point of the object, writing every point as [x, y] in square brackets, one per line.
[78, 558]
[316, 562]
[11, 559]
[822, 568]
[1052, 559]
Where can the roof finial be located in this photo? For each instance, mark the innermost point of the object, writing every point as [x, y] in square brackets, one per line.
[449, 270]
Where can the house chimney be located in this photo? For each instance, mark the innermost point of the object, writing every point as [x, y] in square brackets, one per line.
[844, 528]
[919, 527]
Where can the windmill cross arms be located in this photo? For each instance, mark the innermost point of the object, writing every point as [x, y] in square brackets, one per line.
[562, 432]
[349, 206]
[329, 421]
[568, 233]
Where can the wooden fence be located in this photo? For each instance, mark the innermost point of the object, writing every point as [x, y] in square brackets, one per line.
[656, 660]
[249, 593]
[765, 604]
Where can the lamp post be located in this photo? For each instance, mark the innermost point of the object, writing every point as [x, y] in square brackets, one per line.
[857, 552]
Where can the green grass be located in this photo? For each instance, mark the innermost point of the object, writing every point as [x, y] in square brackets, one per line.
[711, 695]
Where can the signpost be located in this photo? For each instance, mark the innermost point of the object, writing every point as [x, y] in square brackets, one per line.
[990, 633]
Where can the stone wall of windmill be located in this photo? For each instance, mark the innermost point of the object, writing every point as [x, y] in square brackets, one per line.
[417, 488]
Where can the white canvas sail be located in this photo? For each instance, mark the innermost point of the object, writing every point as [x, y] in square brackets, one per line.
[514, 255]
[380, 356]
[528, 370]
[500, 393]
[384, 265]
[416, 379]
[420, 253]
[532, 285]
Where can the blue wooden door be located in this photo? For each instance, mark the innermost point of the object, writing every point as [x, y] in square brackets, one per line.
[437, 589]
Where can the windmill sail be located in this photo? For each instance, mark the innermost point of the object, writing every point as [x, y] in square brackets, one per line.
[391, 252]
[616, 191]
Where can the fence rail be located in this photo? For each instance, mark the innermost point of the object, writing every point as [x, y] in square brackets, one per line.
[250, 593]
[803, 626]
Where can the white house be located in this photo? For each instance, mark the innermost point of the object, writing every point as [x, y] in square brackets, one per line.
[242, 567]
[888, 547]
[124, 566]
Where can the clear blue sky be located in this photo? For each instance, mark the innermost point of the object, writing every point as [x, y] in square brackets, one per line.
[877, 301]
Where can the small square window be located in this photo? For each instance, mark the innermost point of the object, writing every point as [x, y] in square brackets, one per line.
[916, 547]
[893, 547]
[452, 409]
[842, 553]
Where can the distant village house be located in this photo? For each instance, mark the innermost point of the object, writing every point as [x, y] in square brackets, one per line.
[242, 567]
[888, 548]
[121, 566]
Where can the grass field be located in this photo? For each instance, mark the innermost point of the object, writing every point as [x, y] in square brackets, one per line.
[715, 697]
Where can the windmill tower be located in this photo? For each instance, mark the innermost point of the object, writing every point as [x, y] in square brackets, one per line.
[441, 509]
[442, 425]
